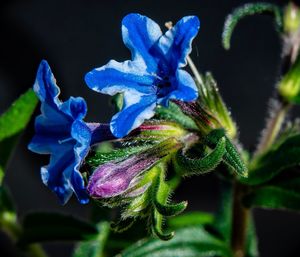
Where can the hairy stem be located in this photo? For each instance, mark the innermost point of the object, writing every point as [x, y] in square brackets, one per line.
[240, 221]
[274, 124]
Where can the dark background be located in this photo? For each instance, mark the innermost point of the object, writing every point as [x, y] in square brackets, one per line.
[76, 36]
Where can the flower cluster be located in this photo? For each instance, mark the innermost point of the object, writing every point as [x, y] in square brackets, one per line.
[160, 126]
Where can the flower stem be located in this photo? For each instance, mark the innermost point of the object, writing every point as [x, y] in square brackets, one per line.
[240, 221]
[274, 124]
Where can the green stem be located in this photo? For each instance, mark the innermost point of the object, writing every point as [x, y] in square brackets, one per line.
[274, 124]
[240, 221]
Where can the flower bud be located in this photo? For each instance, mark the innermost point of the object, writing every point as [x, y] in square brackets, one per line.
[291, 18]
[289, 86]
[116, 178]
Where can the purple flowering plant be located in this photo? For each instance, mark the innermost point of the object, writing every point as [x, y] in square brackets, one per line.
[171, 123]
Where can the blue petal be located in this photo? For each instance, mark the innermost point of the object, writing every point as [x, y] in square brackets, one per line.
[82, 134]
[75, 107]
[185, 88]
[176, 43]
[56, 175]
[45, 86]
[61, 133]
[118, 77]
[140, 34]
[137, 108]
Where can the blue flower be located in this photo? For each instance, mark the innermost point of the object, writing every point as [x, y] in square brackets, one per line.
[61, 132]
[153, 76]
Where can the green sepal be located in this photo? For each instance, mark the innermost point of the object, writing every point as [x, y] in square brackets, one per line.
[174, 113]
[169, 210]
[98, 158]
[247, 10]
[161, 192]
[191, 166]
[156, 226]
[122, 225]
[210, 97]
[12, 123]
[233, 158]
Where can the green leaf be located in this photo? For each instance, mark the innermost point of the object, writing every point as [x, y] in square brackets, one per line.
[223, 218]
[12, 123]
[247, 10]
[188, 242]
[174, 113]
[273, 197]
[190, 166]
[39, 227]
[191, 219]
[278, 159]
[95, 247]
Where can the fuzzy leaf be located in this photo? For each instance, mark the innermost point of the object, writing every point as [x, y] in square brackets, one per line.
[247, 10]
[188, 242]
[39, 227]
[12, 123]
[280, 158]
[174, 113]
[274, 197]
[190, 166]
[95, 247]
[223, 218]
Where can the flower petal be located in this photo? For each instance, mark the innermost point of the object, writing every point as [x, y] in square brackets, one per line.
[75, 107]
[45, 85]
[176, 43]
[60, 132]
[116, 77]
[139, 34]
[137, 108]
[185, 88]
[56, 174]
